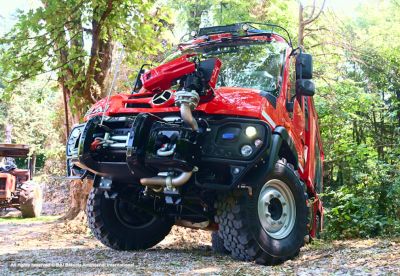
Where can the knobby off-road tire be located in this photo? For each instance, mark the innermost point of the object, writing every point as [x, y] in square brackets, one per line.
[217, 244]
[253, 235]
[31, 200]
[120, 225]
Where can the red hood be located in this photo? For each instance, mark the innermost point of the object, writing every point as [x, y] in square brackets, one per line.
[226, 101]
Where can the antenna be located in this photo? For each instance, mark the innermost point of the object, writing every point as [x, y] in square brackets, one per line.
[116, 71]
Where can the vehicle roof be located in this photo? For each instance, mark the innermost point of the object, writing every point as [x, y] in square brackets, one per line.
[14, 150]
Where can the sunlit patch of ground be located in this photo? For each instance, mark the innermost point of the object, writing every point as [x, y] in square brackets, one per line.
[69, 249]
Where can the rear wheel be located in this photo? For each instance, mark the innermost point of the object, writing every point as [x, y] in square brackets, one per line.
[120, 224]
[269, 226]
[31, 200]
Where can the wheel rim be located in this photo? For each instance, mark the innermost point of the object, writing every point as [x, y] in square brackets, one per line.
[131, 216]
[276, 209]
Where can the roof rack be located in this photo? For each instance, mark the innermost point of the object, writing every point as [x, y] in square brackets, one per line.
[246, 29]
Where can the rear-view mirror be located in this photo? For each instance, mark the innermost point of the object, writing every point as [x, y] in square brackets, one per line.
[304, 66]
[305, 87]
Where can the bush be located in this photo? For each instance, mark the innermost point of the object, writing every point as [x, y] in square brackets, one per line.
[368, 209]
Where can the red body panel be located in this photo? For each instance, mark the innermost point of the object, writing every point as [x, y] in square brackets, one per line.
[160, 78]
[227, 101]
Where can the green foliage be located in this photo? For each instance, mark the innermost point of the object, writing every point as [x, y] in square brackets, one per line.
[357, 210]
[75, 39]
[33, 117]
[358, 103]
[193, 14]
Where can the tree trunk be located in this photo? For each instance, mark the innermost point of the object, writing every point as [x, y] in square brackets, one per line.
[78, 194]
[300, 40]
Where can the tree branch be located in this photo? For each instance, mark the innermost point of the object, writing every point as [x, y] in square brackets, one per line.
[26, 77]
[311, 19]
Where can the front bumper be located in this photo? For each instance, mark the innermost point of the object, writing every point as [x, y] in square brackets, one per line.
[127, 149]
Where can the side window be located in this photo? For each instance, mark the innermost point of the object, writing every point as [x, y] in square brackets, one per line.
[318, 168]
[291, 87]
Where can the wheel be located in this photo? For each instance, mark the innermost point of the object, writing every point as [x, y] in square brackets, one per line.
[269, 226]
[31, 200]
[217, 244]
[121, 225]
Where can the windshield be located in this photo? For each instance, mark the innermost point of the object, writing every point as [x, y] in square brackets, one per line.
[246, 63]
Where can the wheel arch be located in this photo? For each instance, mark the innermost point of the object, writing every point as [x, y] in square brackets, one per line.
[282, 146]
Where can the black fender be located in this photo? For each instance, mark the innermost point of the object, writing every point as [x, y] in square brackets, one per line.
[287, 148]
[282, 146]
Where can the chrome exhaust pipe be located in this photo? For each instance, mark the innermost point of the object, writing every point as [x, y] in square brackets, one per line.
[187, 116]
[188, 101]
[168, 181]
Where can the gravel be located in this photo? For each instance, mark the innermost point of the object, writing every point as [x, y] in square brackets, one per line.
[59, 248]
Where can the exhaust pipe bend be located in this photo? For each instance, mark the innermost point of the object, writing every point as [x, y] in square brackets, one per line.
[167, 181]
[187, 116]
[188, 101]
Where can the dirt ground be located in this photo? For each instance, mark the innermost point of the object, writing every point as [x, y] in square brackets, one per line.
[32, 247]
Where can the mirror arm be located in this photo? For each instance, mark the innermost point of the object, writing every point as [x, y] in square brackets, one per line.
[294, 51]
[141, 71]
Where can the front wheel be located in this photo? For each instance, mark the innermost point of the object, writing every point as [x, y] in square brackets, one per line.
[120, 224]
[269, 226]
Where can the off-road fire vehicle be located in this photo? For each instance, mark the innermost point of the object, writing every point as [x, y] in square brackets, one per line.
[222, 136]
[17, 190]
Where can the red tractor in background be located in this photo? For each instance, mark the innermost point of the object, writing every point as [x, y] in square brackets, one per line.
[17, 190]
[222, 136]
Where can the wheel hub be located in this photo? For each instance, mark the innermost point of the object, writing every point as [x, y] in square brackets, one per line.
[131, 216]
[276, 209]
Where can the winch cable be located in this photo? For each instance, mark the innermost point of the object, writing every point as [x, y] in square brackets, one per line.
[116, 71]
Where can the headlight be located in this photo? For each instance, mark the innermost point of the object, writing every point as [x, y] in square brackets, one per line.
[251, 131]
[246, 150]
